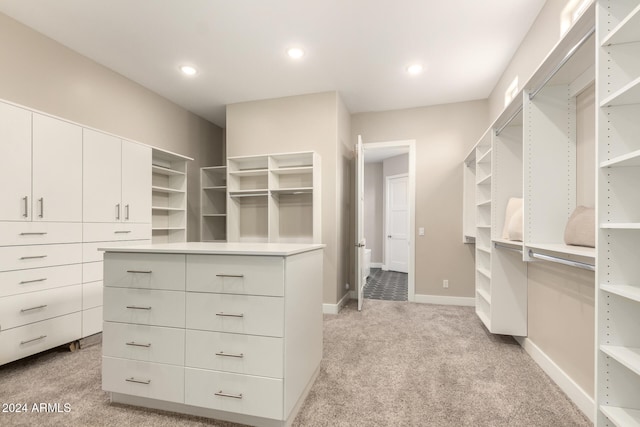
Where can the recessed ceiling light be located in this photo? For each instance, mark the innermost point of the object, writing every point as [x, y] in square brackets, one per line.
[188, 70]
[295, 53]
[414, 69]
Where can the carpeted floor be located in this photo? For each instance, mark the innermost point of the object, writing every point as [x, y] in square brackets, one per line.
[394, 364]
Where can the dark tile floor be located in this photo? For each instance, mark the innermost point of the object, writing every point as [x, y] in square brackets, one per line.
[386, 285]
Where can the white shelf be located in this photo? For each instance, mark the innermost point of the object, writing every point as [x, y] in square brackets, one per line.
[626, 291]
[620, 225]
[483, 317]
[165, 171]
[218, 188]
[627, 31]
[249, 193]
[167, 228]
[626, 356]
[484, 226]
[165, 208]
[485, 203]
[484, 272]
[561, 248]
[169, 196]
[214, 215]
[622, 417]
[300, 190]
[628, 94]
[166, 190]
[484, 181]
[486, 157]
[512, 244]
[626, 160]
[485, 295]
[483, 249]
[293, 170]
[249, 172]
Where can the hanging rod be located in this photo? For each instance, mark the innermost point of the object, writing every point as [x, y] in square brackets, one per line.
[508, 248]
[564, 261]
[567, 57]
[509, 120]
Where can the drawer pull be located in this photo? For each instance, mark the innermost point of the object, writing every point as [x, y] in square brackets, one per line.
[133, 380]
[122, 231]
[33, 339]
[33, 257]
[222, 353]
[234, 396]
[136, 307]
[230, 314]
[135, 344]
[139, 271]
[32, 281]
[33, 308]
[230, 275]
[34, 233]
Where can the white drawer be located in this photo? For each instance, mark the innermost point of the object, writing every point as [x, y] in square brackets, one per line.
[233, 274]
[38, 279]
[144, 307]
[18, 310]
[91, 295]
[145, 379]
[145, 271]
[236, 313]
[110, 231]
[141, 342]
[92, 271]
[39, 233]
[243, 394]
[237, 353]
[90, 252]
[91, 321]
[19, 342]
[38, 256]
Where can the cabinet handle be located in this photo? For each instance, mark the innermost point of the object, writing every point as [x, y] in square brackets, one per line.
[234, 396]
[33, 339]
[133, 380]
[122, 231]
[139, 271]
[41, 200]
[229, 275]
[33, 257]
[135, 344]
[230, 314]
[32, 281]
[126, 212]
[33, 308]
[136, 307]
[118, 211]
[34, 233]
[26, 206]
[222, 353]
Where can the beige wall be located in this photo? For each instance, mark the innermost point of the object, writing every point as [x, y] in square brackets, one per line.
[373, 208]
[344, 194]
[40, 73]
[444, 134]
[303, 123]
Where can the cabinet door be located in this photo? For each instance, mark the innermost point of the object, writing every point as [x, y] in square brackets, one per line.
[57, 170]
[101, 201]
[136, 182]
[15, 163]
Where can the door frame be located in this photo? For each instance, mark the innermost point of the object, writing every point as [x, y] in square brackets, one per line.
[385, 227]
[411, 145]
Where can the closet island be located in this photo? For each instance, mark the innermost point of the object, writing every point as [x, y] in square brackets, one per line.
[231, 331]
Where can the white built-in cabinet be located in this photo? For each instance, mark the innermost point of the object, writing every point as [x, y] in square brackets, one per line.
[213, 204]
[618, 159]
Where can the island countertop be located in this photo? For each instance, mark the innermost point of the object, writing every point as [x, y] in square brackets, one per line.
[220, 248]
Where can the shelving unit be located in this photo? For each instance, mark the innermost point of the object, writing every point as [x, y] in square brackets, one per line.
[469, 198]
[483, 227]
[168, 196]
[618, 214]
[213, 204]
[274, 198]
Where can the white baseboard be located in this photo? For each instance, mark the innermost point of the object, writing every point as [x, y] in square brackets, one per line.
[335, 308]
[566, 384]
[442, 300]
[376, 265]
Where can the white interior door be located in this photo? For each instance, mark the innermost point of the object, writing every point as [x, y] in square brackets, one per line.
[360, 280]
[397, 250]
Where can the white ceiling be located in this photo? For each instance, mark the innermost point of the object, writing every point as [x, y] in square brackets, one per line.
[357, 47]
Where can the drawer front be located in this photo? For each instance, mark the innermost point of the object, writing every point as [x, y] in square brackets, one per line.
[18, 310]
[91, 295]
[38, 256]
[111, 231]
[144, 307]
[39, 279]
[243, 314]
[145, 379]
[33, 338]
[90, 252]
[237, 353]
[92, 271]
[39, 233]
[91, 321]
[146, 343]
[144, 271]
[243, 394]
[251, 275]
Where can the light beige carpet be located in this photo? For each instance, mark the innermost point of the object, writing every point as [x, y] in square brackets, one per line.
[394, 364]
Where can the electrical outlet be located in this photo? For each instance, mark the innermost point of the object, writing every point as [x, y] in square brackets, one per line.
[445, 283]
[421, 231]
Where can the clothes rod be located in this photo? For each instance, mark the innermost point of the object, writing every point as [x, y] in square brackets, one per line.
[509, 120]
[564, 261]
[509, 248]
[567, 57]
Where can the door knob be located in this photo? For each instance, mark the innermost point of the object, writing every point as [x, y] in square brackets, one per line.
[389, 236]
